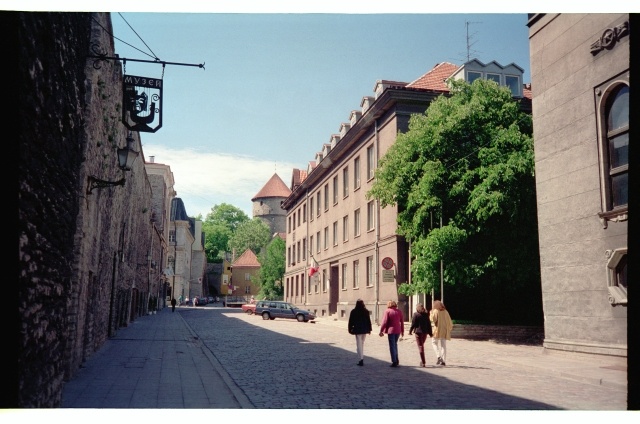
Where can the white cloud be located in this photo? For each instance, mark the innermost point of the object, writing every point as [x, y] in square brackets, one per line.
[204, 179]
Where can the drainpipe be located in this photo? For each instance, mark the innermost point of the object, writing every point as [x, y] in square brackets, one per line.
[376, 259]
[113, 290]
[309, 250]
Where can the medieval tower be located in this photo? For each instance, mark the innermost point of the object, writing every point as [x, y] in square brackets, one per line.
[267, 204]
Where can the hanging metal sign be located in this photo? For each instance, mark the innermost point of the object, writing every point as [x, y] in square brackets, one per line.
[142, 100]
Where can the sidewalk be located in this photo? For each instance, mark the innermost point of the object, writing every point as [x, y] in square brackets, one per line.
[155, 362]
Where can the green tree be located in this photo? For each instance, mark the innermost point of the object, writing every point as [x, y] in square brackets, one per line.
[253, 234]
[272, 267]
[218, 228]
[466, 162]
[227, 215]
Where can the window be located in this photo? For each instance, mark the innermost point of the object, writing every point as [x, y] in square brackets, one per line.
[371, 166]
[326, 237]
[289, 224]
[617, 276]
[356, 223]
[335, 233]
[318, 205]
[370, 216]
[324, 281]
[304, 213]
[345, 182]
[289, 255]
[304, 248]
[356, 173]
[326, 197]
[311, 245]
[311, 209]
[494, 77]
[318, 244]
[513, 83]
[356, 274]
[615, 147]
[247, 289]
[247, 276]
[298, 252]
[293, 255]
[473, 75]
[344, 276]
[172, 236]
[345, 228]
[370, 275]
[335, 190]
[299, 220]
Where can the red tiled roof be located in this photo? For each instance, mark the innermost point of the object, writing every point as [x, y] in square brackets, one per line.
[435, 78]
[247, 260]
[275, 187]
[297, 178]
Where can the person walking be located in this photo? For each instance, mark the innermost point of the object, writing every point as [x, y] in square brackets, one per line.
[442, 326]
[393, 325]
[360, 326]
[421, 326]
[173, 304]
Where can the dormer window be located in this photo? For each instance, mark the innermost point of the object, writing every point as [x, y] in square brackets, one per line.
[494, 77]
[473, 75]
[513, 83]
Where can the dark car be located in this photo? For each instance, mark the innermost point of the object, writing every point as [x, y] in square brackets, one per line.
[272, 309]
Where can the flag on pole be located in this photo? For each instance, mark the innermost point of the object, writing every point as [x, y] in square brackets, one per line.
[314, 268]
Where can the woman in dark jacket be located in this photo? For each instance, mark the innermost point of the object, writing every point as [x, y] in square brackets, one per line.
[421, 326]
[360, 325]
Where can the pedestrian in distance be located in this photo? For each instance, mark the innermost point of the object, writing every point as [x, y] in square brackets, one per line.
[442, 327]
[173, 304]
[393, 324]
[421, 327]
[360, 326]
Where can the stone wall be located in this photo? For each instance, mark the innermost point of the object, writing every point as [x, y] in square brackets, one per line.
[499, 333]
[84, 268]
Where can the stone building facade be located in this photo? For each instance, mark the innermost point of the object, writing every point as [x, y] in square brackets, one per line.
[87, 240]
[580, 74]
[243, 273]
[162, 191]
[334, 227]
[181, 238]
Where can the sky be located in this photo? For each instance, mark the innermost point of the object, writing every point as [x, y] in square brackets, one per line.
[280, 77]
[275, 87]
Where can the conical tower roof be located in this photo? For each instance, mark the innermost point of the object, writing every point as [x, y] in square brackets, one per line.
[275, 187]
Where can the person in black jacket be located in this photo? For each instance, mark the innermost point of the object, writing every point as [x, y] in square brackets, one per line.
[421, 326]
[360, 326]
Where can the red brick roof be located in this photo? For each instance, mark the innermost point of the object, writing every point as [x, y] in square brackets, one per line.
[247, 260]
[275, 187]
[435, 78]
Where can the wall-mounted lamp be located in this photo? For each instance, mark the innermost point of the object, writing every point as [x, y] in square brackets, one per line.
[126, 157]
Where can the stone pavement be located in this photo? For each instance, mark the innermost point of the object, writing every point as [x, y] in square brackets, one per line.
[214, 357]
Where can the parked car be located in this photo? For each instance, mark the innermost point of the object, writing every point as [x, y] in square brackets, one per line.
[210, 299]
[249, 308]
[272, 309]
[202, 301]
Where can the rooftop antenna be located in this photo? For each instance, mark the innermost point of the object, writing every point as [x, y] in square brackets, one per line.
[469, 37]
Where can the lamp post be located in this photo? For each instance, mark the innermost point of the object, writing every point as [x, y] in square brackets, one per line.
[126, 157]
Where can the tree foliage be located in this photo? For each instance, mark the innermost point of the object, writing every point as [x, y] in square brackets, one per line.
[253, 234]
[218, 227]
[272, 268]
[466, 162]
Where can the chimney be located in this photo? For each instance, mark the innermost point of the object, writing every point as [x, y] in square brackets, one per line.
[151, 159]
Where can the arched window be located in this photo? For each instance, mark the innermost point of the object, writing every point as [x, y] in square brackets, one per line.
[617, 147]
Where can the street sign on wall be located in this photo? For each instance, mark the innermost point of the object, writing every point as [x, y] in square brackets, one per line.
[387, 263]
